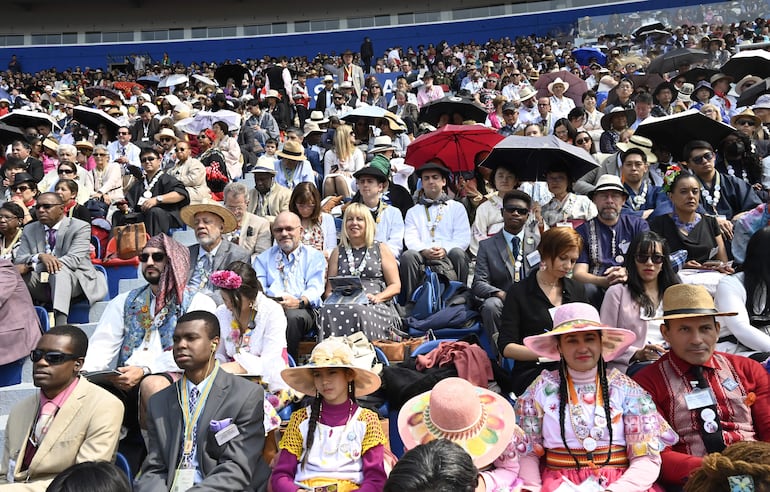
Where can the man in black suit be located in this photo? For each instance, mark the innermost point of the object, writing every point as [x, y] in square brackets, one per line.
[21, 150]
[505, 258]
[324, 98]
[220, 450]
[144, 130]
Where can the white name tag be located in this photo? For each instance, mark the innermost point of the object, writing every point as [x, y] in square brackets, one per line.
[227, 434]
[184, 479]
[700, 398]
[533, 258]
[564, 224]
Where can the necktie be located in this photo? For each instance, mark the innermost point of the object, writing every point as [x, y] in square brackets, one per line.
[710, 425]
[515, 245]
[123, 151]
[201, 273]
[192, 401]
[51, 233]
[47, 414]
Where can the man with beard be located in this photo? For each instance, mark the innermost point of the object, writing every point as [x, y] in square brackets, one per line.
[268, 198]
[137, 327]
[210, 221]
[293, 275]
[252, 232]
[606, 238]
[69, 421]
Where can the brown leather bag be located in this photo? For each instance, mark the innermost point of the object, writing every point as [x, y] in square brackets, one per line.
[398, 351]
[130, 239]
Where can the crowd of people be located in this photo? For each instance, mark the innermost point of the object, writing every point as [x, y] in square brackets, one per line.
[631, 300]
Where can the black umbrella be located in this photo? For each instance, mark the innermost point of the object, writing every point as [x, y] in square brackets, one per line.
[750, 95]
[695, 75]
[530, 157]
[25, 118]
[668, 62]
[639, 32]
[465, 106]
[92, 118]
[231, 71]
[9, 134]
[749, 62]
[97, 90]
[673, 132]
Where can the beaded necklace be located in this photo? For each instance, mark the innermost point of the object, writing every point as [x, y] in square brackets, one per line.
[712, 201]
[148, 186]
[356, 270]
[286, 274]
[433, 224]
[686, 227]
[731, 172]
[589, 434]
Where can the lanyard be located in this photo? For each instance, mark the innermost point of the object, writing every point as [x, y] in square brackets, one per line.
[190, 420]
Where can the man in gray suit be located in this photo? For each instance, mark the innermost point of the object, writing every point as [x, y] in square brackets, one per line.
[207, 429]
[210, 221]
[505, 258]
[53, 258]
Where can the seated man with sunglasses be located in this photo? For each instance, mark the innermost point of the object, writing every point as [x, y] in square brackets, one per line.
[69, 421]
[137, 326]
[54, 261]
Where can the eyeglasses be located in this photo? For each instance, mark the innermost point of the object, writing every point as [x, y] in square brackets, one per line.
[656, 258]
[744, 123]
[338, 97]
[516, 210]
[100, 154]
[122, 133]
[5, 218]
[703, 157]
[581, 141]
[46, 206]
[156, 257]
[279, 230]
[53, 358]
[147, 159]
[65, 171]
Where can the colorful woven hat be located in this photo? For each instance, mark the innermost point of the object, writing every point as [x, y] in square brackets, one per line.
[479, 420]
[575, 317]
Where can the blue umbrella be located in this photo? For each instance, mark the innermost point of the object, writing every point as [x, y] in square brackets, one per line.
[583, 55]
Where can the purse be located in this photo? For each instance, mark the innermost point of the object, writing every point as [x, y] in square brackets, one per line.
[130, 239]
[397, 351]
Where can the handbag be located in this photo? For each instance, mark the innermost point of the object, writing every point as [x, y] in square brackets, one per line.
[130, 240]
[401, 349]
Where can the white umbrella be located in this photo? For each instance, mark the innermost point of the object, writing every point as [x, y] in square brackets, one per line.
[205, 80]
[205, 119]
[173, 79]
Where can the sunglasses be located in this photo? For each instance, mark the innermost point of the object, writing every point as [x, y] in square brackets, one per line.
[65, 171]
[703, 157]
[745, 123]
[517, 210]
[20, 189]
[166, 139]
[180, 150]
[100, 155]
[122, 133]
[156, 257]
[147, 159]
[46, 206]
[581, 141]
[656, 258]
[53, 358]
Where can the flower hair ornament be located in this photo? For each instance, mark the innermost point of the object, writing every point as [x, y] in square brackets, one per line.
[670, 176]
[226, 279]
[741, 483]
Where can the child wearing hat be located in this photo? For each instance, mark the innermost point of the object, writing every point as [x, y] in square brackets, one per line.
[582, 422]
[334, 443]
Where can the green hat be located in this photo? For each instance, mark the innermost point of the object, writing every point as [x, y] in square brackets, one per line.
[382, 163]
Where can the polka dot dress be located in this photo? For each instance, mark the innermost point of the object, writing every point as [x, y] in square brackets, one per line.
[375, 320]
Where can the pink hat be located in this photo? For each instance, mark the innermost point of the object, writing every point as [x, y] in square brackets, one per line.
[479, 420]
[576, 317]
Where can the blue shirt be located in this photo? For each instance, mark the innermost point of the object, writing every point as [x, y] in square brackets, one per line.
[625, 229]
[303, 173]
[302, 275]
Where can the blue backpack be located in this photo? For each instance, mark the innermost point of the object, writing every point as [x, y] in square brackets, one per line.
[432, 296]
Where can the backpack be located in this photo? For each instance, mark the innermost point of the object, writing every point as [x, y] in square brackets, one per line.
[434, 293]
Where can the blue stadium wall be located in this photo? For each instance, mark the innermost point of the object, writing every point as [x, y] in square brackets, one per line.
[309, 44]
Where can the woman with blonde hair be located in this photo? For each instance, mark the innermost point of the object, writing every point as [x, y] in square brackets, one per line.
[711, 111]
[341, 162]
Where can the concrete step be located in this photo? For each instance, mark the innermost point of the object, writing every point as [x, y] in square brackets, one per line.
[96, 311]
[127, 284]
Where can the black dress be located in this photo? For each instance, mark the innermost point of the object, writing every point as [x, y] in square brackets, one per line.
[525, 313]
[699, 243]
[160, 218]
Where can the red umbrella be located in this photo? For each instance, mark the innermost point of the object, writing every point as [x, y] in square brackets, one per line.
[455, 145]
[577, 86]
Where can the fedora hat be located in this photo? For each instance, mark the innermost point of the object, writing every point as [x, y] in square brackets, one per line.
[689, 301]
[526, 92]
[292, 150]
[166, 132]
[557, 81]
[188, 214]
[345, 84]
[84, 144]
[763, 102]
[480, 421]
[719, 76]
[328, 78]
[372, 171]
[263, 170]
[381, 144]
[395, 122]
[576, 317]
[24, 177]
[739, 86]
[51, 144]
[639, 142]
[433, 166]
[607, 118]
[318, 118]
[273, 93]
[311, 127]
[331, 353]
[608, 182]
[746, 114]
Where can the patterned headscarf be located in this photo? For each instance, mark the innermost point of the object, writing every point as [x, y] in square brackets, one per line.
[174, 278]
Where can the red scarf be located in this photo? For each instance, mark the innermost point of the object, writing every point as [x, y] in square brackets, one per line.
[723, 96]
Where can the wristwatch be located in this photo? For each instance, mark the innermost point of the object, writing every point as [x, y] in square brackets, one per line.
[146, 371]
[159, 198]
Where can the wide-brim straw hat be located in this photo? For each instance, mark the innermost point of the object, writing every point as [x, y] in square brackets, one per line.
[263, 170]
[607, 118]
[84, 144]
[557, 81]
[746, 114]
[331, 353]
[578, 317]
[689, 301]
[188, 214]
[294, 151]
[480, 421]
[639, 142]
[382, 143]
[166, 132]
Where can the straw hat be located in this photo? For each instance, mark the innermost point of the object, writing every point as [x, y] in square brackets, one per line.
[639, 142]
[382, 143]
[608, 182]
[188, 214]
[292, 150]
[740, 86]
[395, 123]
[746, 114]
[526, 92]
[51, 144]
[480, 421]
[311, 128]
[318, 117]
[689, 301]
[263, 170]
[84, 144]
[557, 81]
[576, 317]
[332, 352]
[273, 93]
[166, 132]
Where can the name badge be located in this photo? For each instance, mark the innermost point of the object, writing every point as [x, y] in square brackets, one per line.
[700, 398]
[564, 224]
[145, 139]
[227, 434]
[141, 201]
[184, 479]
[533, 258]
[623, 246]
[44, 277]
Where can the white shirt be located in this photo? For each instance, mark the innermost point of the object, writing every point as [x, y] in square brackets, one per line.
[390, 229]
[131, 151]
[453, 230]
